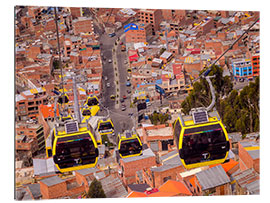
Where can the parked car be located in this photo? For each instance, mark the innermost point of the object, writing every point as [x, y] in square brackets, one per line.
[128, 91]
[123, 108]
[106, 78]
[108, 84]
[110, 60]
[122, 100]
[112, 34]
[124, 96]
[128, 84]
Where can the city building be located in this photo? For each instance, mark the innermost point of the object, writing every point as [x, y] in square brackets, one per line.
[82, 25]
[213, 181]
[129, 166]
[27, 103]
[158, 137]
[242, 69]
[152, 16]
[255, 65]
[246, 182]
[249, 155]
[135, 33]
[32, 131]
[170, 188]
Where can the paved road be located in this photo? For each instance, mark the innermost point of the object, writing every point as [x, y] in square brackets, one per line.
[120, 118]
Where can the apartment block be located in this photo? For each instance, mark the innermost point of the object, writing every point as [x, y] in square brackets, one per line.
[32, 131]
[242, 69]
[255, 65]
[82, 25]
[152, 16]
[75, 12]
[137, 32]
[28, 101]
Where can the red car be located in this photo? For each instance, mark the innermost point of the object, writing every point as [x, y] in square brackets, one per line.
[121, 43]
[124, 96]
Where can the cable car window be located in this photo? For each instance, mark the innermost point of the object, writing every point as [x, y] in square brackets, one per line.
[92, 102]
[86, 112]
[128, 147]
[177, 131]
[204, 144]
[75, 150]
[105, 126]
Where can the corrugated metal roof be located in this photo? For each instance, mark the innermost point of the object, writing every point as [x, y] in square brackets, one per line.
[113, 187]
[254, 187]
[248, 179]
[212, 177]
[87, 171]
[164, 167]
[145, 154]
[255, 154]
[43, 166]
[52, 181]
[35, 190]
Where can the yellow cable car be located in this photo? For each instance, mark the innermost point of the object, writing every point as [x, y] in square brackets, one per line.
[86, 113]
[73, 146]
[201, 139]
[65, 118]
[105, 127]
[93, 102]
[129, 144]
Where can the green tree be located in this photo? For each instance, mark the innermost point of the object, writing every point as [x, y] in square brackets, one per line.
[96, 190]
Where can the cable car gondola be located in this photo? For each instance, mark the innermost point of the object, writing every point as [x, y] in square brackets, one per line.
[201, 138]
[93, 102]
[129, 144]
[72, 146]
[86, 114]
[105, 126]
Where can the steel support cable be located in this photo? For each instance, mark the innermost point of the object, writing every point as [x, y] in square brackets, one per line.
[59, 53]
[206, 72]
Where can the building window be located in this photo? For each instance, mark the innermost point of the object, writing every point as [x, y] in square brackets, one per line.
[166, 178]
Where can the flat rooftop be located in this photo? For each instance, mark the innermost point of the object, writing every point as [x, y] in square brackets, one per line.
[167, 131]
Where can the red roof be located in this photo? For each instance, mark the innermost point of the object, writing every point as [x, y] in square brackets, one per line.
[136, 194]
[48, 110]
[172, 186]
[227, 166]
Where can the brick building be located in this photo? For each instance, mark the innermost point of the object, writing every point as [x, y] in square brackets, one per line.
[28, 101]
[129, 166]
[158, 138]
[249, 155]
[170, 14]
[156, 176]
[137, 32]
[75, 12]
[32, 131]
[82, 25]
[55, 187]
[152, 16]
